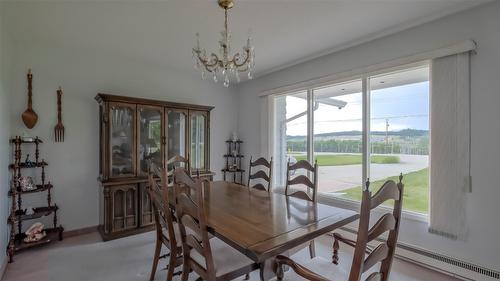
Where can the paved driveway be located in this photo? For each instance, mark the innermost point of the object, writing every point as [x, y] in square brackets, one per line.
[335, 178]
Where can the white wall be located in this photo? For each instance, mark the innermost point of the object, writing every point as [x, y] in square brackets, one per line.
[4, 137]
[480, 24]
[83, 72]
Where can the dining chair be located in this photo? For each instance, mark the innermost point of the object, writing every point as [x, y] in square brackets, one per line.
[364, 258]
[261, 174]
[211, 259]
[303, 180]
[167, 231]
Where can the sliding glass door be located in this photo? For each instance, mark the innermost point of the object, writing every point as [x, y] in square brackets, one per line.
[290, 134]
[374, 127]
[338, 136]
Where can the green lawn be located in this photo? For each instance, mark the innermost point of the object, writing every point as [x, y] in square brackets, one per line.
[416, 192]
[349, 159]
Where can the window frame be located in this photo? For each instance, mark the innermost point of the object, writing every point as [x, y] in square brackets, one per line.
[366, 154]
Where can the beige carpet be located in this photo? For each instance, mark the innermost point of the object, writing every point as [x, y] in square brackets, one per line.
[86, 258]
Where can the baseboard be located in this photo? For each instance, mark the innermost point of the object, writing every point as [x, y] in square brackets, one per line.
[441, 263]
[80, 231]
[3, 267]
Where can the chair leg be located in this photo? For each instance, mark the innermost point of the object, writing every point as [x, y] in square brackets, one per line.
[185, 271]
[155, 259]
[312, 249]
[279, 272]
[335, 257]
[171, 266]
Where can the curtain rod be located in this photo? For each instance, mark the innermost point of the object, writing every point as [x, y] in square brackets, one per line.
[462, 47]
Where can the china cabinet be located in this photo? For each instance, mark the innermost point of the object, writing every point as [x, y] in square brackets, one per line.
[134, 131]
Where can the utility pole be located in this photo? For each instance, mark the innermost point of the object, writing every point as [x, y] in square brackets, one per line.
[386, 132]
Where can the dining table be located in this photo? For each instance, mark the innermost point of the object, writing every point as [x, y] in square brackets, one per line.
[262, 224]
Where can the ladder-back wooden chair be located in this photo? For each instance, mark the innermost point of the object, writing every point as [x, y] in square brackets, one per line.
[303, 180]
[167, 231]
[260, 174]
[211, 259]
[383, 254]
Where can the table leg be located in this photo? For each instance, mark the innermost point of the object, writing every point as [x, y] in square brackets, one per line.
[267, 269]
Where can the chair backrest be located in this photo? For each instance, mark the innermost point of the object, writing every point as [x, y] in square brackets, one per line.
[261, 174]
[158, 193]
[300, 210]
[176, 161]
[302, 179]
[191, 216]
[389, 222]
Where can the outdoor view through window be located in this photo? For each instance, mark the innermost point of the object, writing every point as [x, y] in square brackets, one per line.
[399, 135]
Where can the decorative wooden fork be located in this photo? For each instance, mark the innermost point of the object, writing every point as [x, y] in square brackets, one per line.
[59, 129]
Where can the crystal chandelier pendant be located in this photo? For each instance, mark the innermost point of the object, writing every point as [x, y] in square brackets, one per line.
[237, 74]
[226, 64]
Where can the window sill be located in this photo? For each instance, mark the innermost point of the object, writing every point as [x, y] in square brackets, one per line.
[354, 205]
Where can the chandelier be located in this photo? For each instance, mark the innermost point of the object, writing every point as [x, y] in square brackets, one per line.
[224, 65]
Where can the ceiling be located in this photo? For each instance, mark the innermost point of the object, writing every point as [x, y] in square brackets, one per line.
[329, 94]
[284, 32]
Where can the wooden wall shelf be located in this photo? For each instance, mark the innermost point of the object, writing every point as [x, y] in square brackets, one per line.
[53, 234]
[236, 156]
[35, 141]
[23, 165]
[37, 213]
[233, 171]
[39, 188]
[233, 160]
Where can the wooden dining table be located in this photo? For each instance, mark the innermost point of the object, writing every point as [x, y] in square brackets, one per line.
[262, 225]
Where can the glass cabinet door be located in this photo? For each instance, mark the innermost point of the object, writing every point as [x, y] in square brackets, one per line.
[176, 133]
[122, 158]
[198, 140]
[149, 126]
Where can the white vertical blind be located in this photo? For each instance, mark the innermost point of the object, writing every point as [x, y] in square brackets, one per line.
[450, 145]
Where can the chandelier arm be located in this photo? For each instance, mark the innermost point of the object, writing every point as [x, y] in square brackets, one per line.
[209, 67]
[238, 65]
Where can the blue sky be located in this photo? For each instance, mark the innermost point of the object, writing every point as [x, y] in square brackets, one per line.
[405, 107]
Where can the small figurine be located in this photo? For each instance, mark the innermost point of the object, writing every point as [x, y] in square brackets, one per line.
[26, 183]
[27, 138]
[35, 233]
[28, 163]
[29, 211]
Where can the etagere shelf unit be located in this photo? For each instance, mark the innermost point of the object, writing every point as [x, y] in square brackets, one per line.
[233, 162]
[18, 214]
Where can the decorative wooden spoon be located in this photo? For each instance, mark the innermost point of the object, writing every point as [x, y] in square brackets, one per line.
[29, 115]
